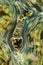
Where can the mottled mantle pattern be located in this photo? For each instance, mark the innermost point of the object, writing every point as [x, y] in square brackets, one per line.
[21, 32]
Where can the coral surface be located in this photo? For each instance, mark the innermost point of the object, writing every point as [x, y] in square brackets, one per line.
[21, 32]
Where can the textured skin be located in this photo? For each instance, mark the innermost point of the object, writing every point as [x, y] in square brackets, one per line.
[21, 32]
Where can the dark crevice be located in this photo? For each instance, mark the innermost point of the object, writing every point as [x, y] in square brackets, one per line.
[30, 38]
[37, 7]
[18, 43]
[2, 13]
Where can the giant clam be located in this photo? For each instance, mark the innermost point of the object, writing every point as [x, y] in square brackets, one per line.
[21, 32]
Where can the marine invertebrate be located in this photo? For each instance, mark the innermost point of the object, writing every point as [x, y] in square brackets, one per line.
[21, 32]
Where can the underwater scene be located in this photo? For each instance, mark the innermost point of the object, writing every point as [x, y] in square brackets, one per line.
[21, 32]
